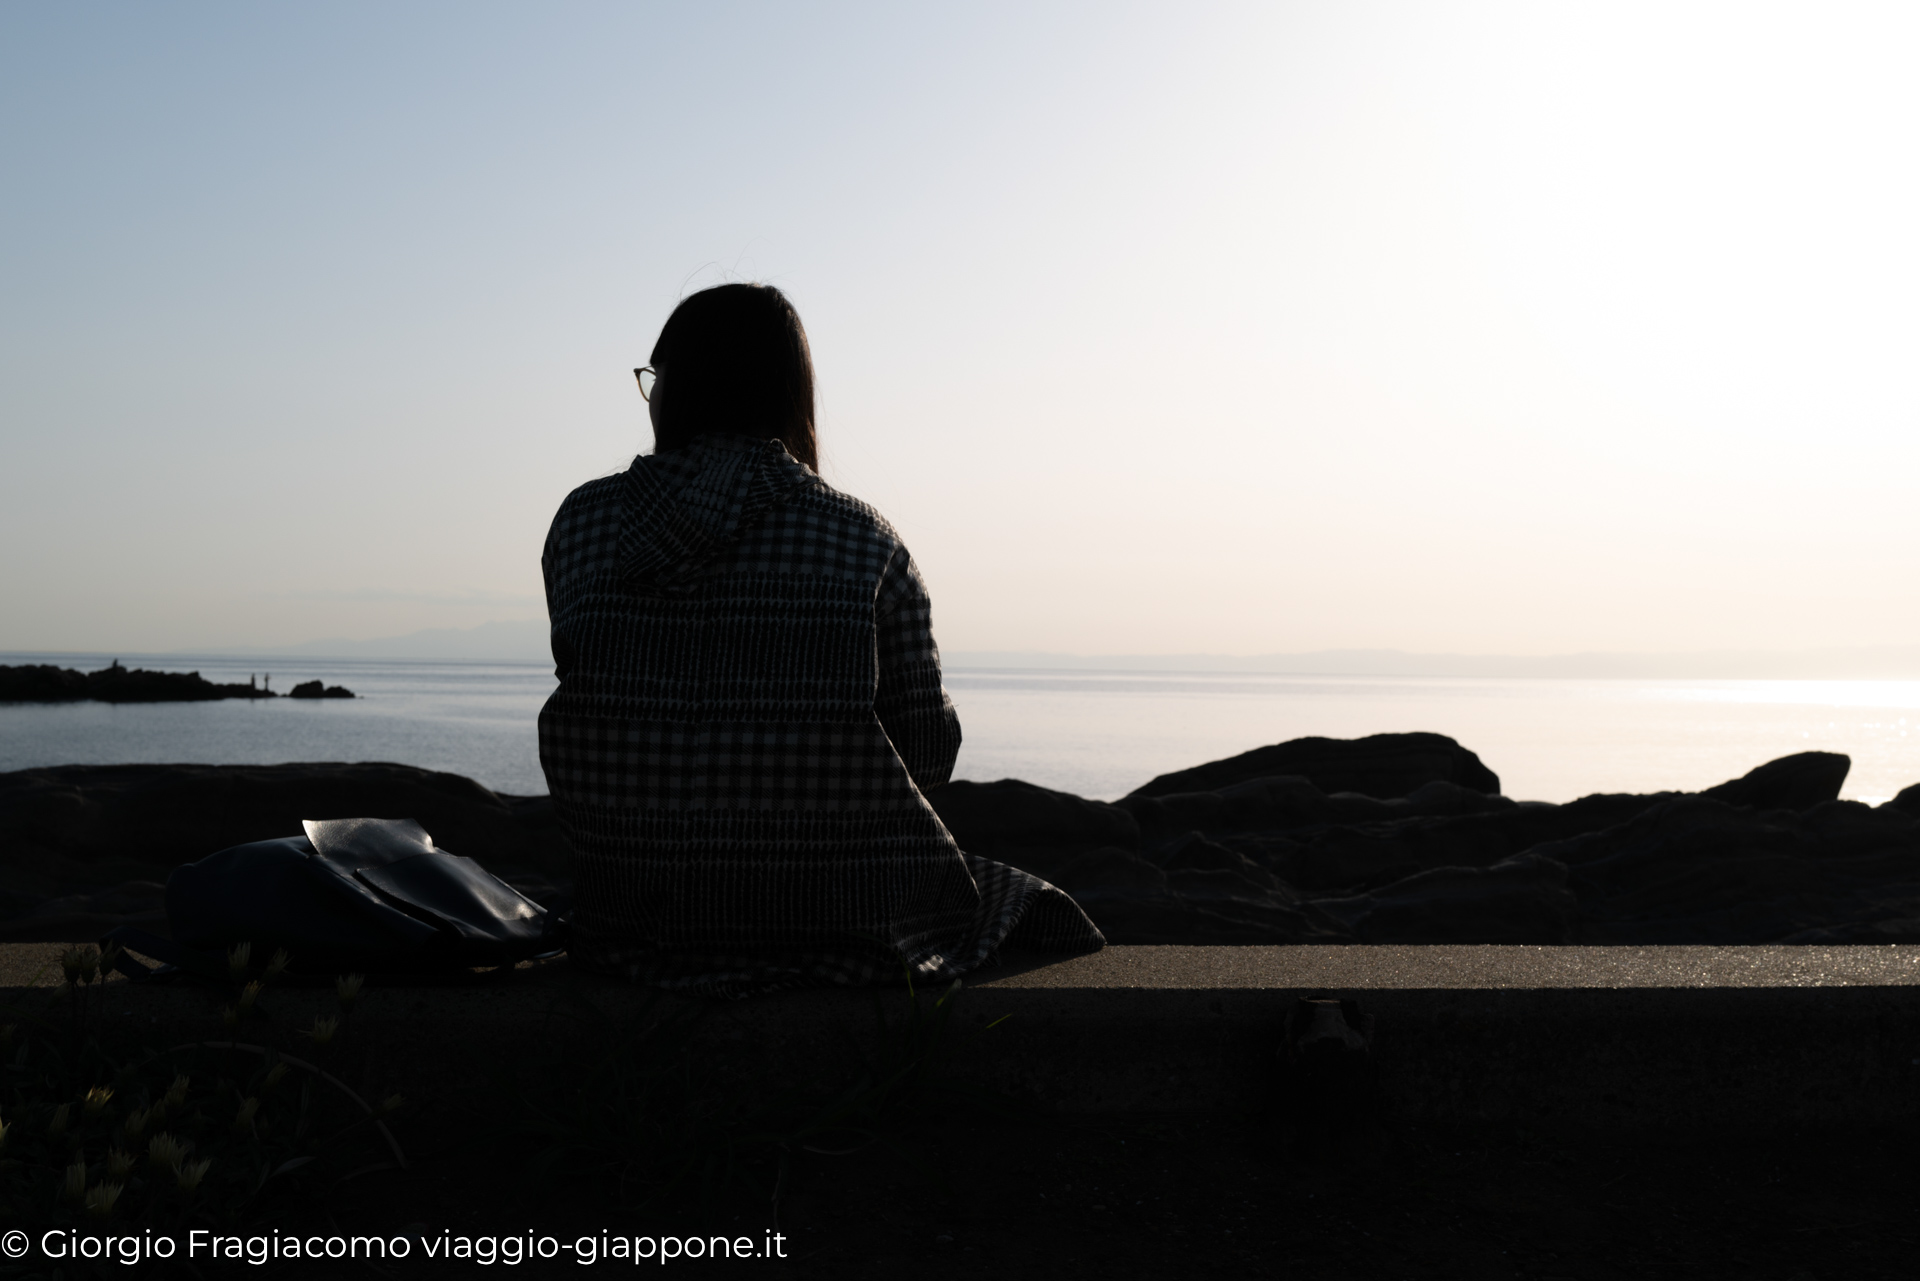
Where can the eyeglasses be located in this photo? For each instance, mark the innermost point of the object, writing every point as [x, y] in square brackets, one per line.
[646, 377]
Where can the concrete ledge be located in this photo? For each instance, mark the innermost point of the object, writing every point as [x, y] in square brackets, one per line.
[1464, 968]
[1627, 1036]
[1588, 1035]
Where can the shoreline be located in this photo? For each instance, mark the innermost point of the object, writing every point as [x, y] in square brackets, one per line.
[44, 683]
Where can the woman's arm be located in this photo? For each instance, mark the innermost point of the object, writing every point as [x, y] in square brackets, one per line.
[913, 706]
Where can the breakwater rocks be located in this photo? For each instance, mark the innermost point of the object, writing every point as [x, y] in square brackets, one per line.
[1398, 838]
[45, 683]
[1404, 852]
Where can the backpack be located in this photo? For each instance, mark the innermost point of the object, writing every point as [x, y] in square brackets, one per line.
[352, 895]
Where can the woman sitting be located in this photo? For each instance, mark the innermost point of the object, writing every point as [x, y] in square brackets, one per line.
[750, 706]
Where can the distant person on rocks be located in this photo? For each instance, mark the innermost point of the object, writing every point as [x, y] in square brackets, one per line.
[750, 706]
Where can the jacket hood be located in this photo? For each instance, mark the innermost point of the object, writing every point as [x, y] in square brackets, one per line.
[684, 507]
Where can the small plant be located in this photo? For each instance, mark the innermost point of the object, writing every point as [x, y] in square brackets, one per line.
[201, 1134]
[102, 1197]
[187, 1174]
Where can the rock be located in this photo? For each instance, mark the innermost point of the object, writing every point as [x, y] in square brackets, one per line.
[1256, 804]
[1695, 869]
[1282, 802]
[1172, 918]
[1383, 765]
[1370, 854]
[315, 689]
[1198, 854]
[1110, 871]
[1013, 812]
[1211, 895]
[1033, 828]
[1215, 884]
[1440, 799]
[1888, 931]
[1267, 858]
[82, 827]
[1524, 899]
[1289, 856]
[1849, 828]
[1795, 782]
[41, 683]
[88, 916]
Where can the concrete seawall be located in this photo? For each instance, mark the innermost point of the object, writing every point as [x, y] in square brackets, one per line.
[1588, 1036]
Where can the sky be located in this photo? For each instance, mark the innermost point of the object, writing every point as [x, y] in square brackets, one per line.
[1170, 328]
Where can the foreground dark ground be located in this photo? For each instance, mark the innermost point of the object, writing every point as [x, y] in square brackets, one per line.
[1162, 1197]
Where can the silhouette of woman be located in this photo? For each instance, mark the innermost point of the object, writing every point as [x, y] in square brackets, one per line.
[750, 706]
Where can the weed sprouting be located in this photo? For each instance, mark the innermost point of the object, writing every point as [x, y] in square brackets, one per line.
[190, 1135]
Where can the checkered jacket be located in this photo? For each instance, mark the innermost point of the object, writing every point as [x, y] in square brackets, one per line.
[748, 712]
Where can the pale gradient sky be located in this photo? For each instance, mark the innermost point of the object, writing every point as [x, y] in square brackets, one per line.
[1172, 328]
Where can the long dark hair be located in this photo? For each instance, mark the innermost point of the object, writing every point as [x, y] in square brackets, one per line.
[734, 359]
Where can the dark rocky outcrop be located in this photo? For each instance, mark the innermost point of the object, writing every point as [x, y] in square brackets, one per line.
[72, 833]
[1269, 858]
[315, 689]
[1381, 765]
[1028, 826]
[1695, 869]
[1767, 857]
[1523, 899]
[1014, 813]
[43, 683]
[1795, 782]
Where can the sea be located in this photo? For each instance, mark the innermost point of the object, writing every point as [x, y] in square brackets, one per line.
[1097, 734]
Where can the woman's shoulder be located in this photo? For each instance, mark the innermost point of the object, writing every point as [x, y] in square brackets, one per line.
[819, 532]
[821, 506]
[602, 491]
[588, 516]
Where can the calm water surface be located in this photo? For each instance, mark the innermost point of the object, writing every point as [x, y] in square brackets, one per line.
[1103, 734]
[1098, 734]
[475, 719]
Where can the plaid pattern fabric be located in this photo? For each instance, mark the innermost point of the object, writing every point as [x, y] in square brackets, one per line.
[749, 709]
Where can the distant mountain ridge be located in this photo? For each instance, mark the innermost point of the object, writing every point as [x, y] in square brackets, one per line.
[1882, 662]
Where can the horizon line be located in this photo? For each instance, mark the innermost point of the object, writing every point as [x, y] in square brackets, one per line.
[527, 644]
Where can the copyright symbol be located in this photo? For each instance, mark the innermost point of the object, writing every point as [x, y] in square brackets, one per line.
[14, 1243]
